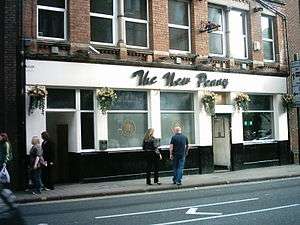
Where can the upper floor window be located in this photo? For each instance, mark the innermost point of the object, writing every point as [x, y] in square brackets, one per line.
[238, 34]
[179, 25]
[136, 23]
[216, 39]
[267, 26]
[102, 21]
[51, 19]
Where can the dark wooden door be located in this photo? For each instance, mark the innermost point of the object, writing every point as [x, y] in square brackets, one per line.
[62, 153]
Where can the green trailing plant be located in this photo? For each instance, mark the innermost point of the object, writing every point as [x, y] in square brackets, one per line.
[105, 98]
[208, 100]
[37, 95]
[241, 101]
[288, 101]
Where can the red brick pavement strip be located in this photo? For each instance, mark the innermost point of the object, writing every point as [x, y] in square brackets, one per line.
[88, 190]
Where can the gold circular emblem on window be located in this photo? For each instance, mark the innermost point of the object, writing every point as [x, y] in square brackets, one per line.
[128, 128]
[177, 123]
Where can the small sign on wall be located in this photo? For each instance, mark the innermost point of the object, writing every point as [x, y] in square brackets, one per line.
[295, 69]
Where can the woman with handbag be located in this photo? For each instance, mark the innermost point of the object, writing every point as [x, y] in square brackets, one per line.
[36, 161]
[150, 145]
[5, 156]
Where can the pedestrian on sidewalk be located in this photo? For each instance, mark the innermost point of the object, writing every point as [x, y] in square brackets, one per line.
[48, 155]
[5, 155]
[150, 145]
[36, 162]
[179, 146]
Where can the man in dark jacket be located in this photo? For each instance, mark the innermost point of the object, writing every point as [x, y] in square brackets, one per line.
[48, 155]
[178, 151]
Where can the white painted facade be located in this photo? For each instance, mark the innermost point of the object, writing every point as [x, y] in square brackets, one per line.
[92, 76]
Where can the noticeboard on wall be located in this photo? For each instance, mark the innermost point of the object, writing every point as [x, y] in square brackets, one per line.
[295, 69]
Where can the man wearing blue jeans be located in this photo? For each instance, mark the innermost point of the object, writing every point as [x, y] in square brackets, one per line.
[178, 150]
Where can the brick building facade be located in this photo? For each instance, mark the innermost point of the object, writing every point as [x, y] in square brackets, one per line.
[161, 57]
[12, 117]
[293, 19]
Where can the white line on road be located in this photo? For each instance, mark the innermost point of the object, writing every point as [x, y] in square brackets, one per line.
[174, 209]
[228, 215]
[193, 211]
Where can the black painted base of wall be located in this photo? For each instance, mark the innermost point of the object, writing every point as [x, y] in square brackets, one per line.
[104, 165]
[260, 155]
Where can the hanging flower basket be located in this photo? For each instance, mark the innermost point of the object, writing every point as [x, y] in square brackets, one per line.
[288, 101]
[105, 97]
[208, 100]
[37, 95]
[241, 101]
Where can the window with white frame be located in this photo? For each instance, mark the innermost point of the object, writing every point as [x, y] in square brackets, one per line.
[267, 26]
[238, 34]
[102, 15]
[61, 98]
[216, 38]
[177, 109]
[258, 120]
[128, 120]
[51, 19]
[87, 119]
[136, 23]
[179, 25]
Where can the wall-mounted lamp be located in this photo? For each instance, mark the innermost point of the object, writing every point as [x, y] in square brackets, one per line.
[258, 9]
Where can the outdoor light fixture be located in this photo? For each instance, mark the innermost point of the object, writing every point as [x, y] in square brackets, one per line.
[258, 9]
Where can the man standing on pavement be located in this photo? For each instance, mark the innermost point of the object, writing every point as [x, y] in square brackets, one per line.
[178, 151]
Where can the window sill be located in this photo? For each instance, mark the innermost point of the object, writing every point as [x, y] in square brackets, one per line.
[259, 142]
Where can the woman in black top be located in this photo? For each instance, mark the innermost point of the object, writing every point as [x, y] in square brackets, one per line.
[150, 144]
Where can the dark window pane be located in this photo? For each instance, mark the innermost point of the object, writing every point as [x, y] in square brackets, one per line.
[87, 131]
[130, 100]
[178, 12]
[179, 39]
[136, 34]
[215, 42]
[257, 126]
[136, 9]
[126, 129]
[176, 101]
[101, 30]
[60, 99]
[51, 24]
[171, 120]
[268, 50]
[102, 6]
[267, 25]
[260, 102]
[52, 3]
[86, 100]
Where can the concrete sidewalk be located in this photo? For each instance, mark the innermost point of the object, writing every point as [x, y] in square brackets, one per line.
[81, 190]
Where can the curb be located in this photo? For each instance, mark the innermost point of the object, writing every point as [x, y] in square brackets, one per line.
[157, 188]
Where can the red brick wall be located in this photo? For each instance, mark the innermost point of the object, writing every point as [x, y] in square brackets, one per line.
[79, 21]
[199, 13]
[158, 25]
[29, 18]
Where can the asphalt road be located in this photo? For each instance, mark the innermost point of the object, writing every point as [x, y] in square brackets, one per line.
[261, 203]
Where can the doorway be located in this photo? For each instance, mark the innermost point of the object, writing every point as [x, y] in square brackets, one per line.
[221, 141]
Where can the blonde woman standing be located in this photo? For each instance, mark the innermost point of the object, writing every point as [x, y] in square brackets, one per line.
[36, 161]
[150, 145]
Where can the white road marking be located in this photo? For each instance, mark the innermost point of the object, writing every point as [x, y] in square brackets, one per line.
[193, 211]
[174, 209]
[228, 215]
